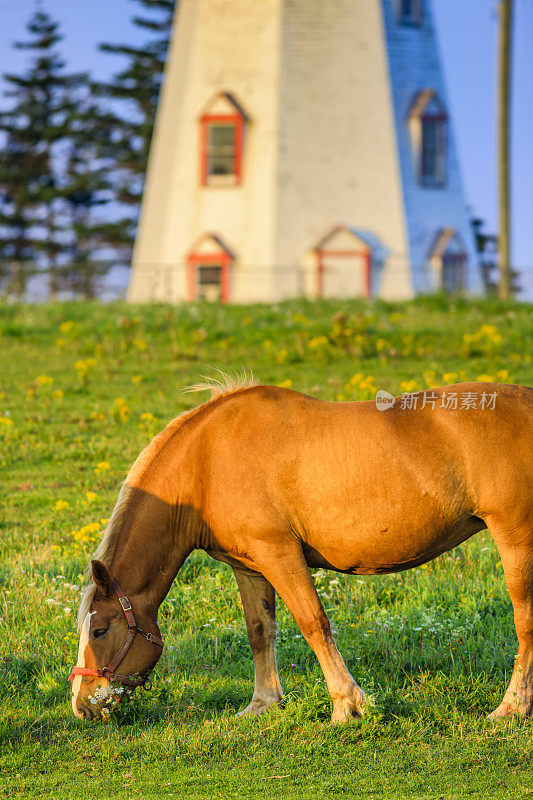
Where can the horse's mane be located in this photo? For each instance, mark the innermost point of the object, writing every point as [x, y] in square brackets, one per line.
[220, 387]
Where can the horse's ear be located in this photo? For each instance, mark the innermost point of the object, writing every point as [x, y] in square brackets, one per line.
[102, 577]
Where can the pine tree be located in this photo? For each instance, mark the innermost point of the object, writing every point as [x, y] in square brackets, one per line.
[136, 88]
[17, 209]
[32, 208]
[86, 187]
[33, 129]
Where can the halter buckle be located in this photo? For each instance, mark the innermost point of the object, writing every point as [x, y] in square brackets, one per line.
[125, 603]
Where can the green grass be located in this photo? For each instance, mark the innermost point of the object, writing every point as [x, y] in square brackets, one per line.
[83, 387]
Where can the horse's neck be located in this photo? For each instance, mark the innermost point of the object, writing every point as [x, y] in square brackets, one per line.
[150, 548]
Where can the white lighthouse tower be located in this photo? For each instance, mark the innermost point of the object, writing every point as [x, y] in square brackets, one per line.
[302, 147]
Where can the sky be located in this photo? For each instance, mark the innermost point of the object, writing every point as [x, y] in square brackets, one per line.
[466, 31]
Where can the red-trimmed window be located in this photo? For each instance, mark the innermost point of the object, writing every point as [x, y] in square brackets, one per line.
[411, 12]
[433, 149]
[222, 137]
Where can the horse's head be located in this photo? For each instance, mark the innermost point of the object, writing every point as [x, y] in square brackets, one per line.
[112, 657]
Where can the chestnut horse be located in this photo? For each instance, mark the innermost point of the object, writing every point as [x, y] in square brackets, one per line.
[273, 482]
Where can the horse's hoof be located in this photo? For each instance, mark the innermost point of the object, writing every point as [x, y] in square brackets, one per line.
[500, 713]
[259, 706]
[506, 710]
[347, 711]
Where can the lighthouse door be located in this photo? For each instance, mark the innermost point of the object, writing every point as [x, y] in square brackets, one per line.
[209, 276]
[453, 269]
[344, 273]
[209, 282]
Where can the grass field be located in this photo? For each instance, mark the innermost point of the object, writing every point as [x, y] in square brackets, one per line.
[83, 387]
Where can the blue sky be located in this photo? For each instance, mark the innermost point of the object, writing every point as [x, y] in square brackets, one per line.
[467, 35]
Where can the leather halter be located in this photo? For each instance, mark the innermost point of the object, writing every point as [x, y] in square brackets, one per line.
[133, 629]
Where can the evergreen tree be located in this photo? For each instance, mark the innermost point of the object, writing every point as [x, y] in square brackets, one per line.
[17, 210]
[134, 93]
[86, 187]
[33, 129]
[56, 171]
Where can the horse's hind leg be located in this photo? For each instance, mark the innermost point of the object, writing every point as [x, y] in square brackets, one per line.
[259, 604]
[516, 552]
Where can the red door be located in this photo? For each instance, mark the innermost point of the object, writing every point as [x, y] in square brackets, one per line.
[343, 273]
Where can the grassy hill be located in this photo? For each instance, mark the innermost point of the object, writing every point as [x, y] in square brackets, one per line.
[83, 387]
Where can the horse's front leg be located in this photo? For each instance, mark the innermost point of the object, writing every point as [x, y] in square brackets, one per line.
[285, 567]
[259, 604]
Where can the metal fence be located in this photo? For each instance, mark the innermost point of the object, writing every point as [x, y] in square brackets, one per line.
[109, 281]
[103, 280]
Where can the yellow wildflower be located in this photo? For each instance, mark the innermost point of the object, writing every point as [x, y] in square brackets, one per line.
[300, 319]
[430, 377]
[318, 341]
[122, 410]
[61, 505]
[491, 332]
[286, 384]
[83, 368]
[43, 380]
[87, 532]
[409, 386]
[101, 467]
[450, 377]
[91, 496]
[136, 378]
[367, 383]
[58, 394]
[66, 326]
[7, 421]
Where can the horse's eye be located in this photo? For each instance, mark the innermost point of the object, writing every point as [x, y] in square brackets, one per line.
[99, 632]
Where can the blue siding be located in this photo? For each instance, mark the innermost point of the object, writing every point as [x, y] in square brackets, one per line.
[414, 65]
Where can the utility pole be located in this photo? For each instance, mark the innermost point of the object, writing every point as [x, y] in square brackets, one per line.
[504, 104]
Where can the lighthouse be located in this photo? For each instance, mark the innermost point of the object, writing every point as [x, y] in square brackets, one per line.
[302, 147]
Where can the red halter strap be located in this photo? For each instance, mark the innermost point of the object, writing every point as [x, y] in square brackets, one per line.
[133, 629]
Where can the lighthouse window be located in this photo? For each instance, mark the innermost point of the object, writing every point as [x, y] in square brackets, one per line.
[222, 141]
[433, 151]
[221, 149]
[411, 12]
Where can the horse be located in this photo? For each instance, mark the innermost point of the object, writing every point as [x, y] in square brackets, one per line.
[274, 482]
